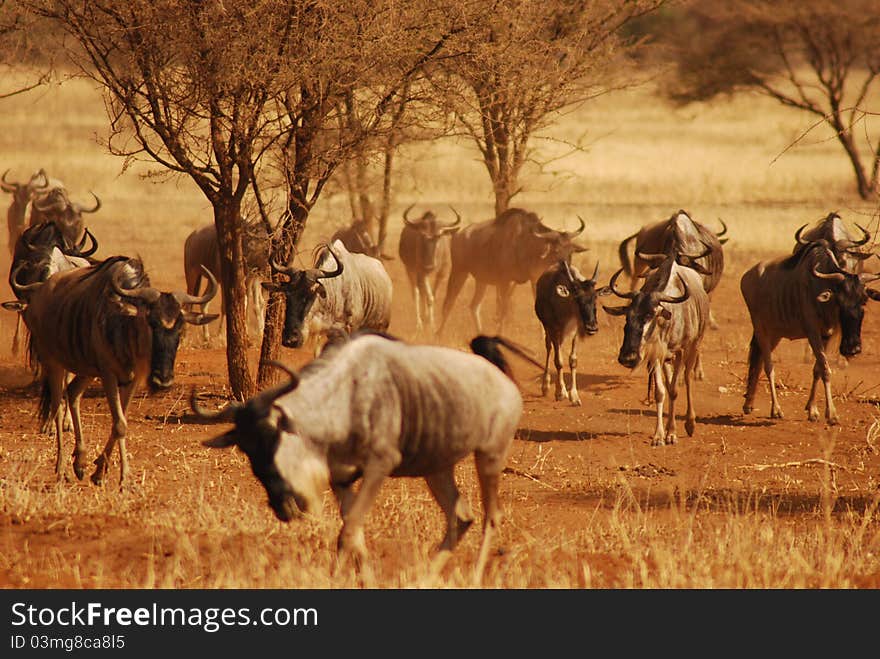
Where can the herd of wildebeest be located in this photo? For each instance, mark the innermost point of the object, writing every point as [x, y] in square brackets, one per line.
[369, 405]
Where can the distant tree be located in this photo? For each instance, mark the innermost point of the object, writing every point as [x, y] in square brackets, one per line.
[818, 56]
[22, 51]
[527, 60]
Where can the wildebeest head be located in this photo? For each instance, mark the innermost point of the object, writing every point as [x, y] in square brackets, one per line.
[553, 245]
[430, 231]
[357, 239]
[56, 207]
[834, 285]
[832, 229]
[22, 193]
[292, 468]
[32, 257]
[644, 314]
[164, 313]
[583, 293]
[300, 292]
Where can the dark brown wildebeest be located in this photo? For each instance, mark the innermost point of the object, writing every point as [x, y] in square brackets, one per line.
[565, 303]
[201, 250]
[104, 321]
[513, 248]
[357, 239]
[424, 251]
[665, 323]
[807, 295]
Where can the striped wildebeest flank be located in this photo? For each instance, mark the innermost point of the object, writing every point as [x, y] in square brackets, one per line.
[565, 303]
[513, 248]
[424, 251]
[665, 323]
[201, 250]
[105, 321]
[34, 259]
[342, 291]
[373, 408]
[808, 295]
[16, 214]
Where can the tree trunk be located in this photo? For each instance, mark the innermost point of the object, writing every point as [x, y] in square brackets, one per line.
[502, 195]
[227, 220]
[284, 243]
[863, 185]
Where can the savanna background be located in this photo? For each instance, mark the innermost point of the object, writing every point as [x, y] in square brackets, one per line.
[745, 503]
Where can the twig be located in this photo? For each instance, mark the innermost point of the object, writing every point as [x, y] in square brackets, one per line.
[798, 463]
[517, 472]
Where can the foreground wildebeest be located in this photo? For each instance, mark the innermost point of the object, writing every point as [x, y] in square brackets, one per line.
[201, 250]
[513, 248]
[374, 408]
[806, 295]
[565, 303]
[424, 251]
[16, 214]
[104, 321]
[665, 323]
[343, 291]
[32, 261]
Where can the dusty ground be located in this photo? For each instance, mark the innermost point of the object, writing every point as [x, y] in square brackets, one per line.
[560, 458]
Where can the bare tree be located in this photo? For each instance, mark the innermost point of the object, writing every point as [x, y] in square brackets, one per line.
[22, 51]
[526, 61]
[818, 56]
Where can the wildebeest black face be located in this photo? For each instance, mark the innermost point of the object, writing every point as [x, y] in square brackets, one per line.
[300, 294]
[583, 293]
[166, 323]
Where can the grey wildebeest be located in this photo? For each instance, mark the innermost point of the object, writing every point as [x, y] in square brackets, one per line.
[565, 303]
[513, 248]
[16, 214]
[807, 295]
[665, 323]
[342, 291]
[424, 251]
[201, 250]
[373, 408]
[104, 321]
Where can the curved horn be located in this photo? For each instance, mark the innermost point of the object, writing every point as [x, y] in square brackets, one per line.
[288, 269]
[847, 244]
[595, 273]
[408, 222]
[867, 278]
[80, 209]
[567, 268]
[681, 298]
[9, 186]
[576, 232]
[17, 288]
[457, 220]
[833, 276]
[652, 258]
[49, 203]
[628, 296]
[797, 236]
[79, 248]
[226, 414]
[146, 293]
[262, 402]
[186, 298]
[723, 230]
[335, 273]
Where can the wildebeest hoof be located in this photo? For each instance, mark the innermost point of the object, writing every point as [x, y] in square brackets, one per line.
[832, 421]
[748, 409]
[689, 427]
[813, 415]
[575, 400]
[78, 470]
[776, 414]
[657, 441]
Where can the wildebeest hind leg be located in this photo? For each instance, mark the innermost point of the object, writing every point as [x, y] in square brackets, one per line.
[456, 509]
[75, 389]
[55, 379]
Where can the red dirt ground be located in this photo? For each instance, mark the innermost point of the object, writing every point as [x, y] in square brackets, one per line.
[561, 451]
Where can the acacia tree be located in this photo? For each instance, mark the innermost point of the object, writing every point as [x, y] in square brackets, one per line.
[527, 60]
[187, 85]
[22, 51]
[819, 56]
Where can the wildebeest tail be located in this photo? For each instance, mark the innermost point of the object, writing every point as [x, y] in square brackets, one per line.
[45, 402]
[623, 253]
[488, 347]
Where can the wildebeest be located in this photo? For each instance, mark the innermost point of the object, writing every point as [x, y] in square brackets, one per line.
[201, 250]
[565, 303]
[806, 295]
[16, 214]
[842, 243]
[32, 260]
[374, 408]
[513, 248]
[357, 238]
[665, 323]
[104, 321]
[678, 234]
[424, 251]
[52, 204]
[341, 291]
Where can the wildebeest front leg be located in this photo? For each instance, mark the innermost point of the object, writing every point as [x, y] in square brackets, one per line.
[415, 286]
[75, 390]
[456, 509]
[476, 302]
[690, 423]
[548, 346]
[671, 374]
[489, 467]
[821, 370]
[351, 537]
[561, 391]
[503, 293]
[118, 398]
[55, 380]
[659, 438]
[573, 395]
[428, 294]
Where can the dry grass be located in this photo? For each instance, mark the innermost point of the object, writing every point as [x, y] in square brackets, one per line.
[190, 520]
